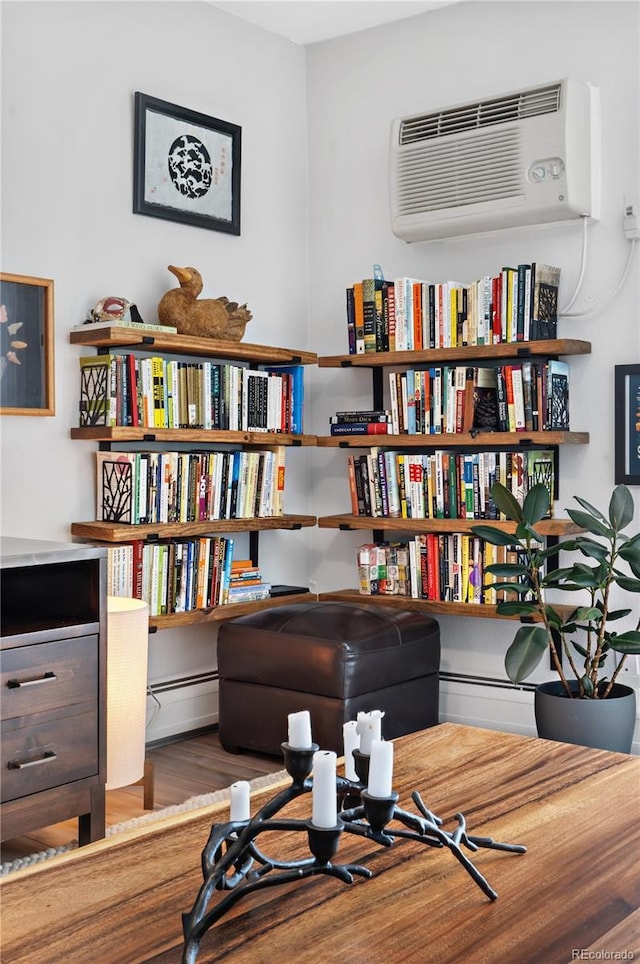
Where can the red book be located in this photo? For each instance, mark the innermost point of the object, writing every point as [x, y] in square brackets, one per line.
[138, 545]
[496, 310]
[133, 390]
[360, 428]
[433, 567]
[508, 384]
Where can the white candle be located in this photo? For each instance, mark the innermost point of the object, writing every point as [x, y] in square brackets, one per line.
[369, 728]
[381, 769]
[240, 806]
[351, 741]
[300, 730]
[324, 811]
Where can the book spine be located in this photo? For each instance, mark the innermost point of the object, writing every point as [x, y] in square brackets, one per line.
[369, 314]
[132, 325]
[351, 321]
[358, 307]
[360, 428]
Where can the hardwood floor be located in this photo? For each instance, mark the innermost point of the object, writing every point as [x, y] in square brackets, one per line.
[182, 769]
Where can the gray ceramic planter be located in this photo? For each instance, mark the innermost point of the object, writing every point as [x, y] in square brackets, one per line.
[601, 724]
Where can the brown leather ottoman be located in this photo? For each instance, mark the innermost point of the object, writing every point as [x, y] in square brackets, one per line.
[333, 659]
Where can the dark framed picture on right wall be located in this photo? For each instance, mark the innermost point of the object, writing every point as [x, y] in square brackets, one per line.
[627, 424]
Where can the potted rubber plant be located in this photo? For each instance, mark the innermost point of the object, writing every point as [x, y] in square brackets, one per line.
[587, 703]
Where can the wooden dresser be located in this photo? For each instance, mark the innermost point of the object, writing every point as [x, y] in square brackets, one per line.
[53, 679]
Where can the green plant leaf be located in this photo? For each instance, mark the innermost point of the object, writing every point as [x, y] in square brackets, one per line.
[585, 521]
[525, 652]
[494, 536]
[620, 507]
[628, 643]
[516, 587]
[631, 585]
[507, 569]
[506, 502]
[549, 551]
[555, 577]
[591, 509]
[578, 648]
[630, 552]
[524, 531]
[554, 617]
[515, 608]
[581, 577]
[614, 614]
[587, 686]
[594, 550]
[536, 504]
[587, 614]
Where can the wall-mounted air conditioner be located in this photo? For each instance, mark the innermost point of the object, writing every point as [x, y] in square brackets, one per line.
[526, 158]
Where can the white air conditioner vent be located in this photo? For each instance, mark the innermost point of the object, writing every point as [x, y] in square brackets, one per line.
[529, 157]
[483, 168]
[500, 110]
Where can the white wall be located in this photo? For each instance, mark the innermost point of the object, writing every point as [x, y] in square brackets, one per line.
[356, 86]
[69, 73]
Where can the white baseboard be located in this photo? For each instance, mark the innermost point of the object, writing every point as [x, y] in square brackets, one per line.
[185, 705]
[506, 709]
[191, 703]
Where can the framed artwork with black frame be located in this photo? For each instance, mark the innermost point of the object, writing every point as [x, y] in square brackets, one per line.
[627, 424]
[186, 166]
[26, 357]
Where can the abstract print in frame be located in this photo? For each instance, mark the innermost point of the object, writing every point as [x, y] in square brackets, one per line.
[627, 424]
[26, 356]
[186, 166]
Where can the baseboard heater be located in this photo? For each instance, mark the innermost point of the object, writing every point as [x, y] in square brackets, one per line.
[491, 682]
[183, 681]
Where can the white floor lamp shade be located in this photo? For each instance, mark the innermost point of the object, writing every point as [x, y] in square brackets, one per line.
[127, 649]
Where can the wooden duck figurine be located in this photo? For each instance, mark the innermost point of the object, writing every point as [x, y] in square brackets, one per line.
[203, 317]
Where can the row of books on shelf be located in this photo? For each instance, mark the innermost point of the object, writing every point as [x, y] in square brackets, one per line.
[440, 568]
[155, 392]
[183, 575]
[410, 314]
[443, 484]
[164, 487]
[526, 396]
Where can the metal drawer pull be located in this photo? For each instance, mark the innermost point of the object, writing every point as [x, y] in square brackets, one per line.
[47, 678]
[48, 757]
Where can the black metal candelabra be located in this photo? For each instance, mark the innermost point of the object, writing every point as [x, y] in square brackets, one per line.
[233, 863]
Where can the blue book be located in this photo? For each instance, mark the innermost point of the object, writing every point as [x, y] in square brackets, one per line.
[234, 477]
[226, 571]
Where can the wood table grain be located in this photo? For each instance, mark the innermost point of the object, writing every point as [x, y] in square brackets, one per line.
[575, 894]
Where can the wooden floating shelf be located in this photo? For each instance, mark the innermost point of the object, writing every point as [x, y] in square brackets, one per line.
[427, 606]
[221, 613]
[482, 440]
[506, 350]
[546, 527]
[125, 433]
[123, 532]
[189, 345]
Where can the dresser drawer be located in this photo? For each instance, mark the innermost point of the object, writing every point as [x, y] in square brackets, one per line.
[46, 676]
[51, 750]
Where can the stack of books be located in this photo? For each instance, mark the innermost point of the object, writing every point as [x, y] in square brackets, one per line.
[373, 422]
[246, 583]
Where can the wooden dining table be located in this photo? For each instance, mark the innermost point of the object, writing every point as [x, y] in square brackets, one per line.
[574, 894]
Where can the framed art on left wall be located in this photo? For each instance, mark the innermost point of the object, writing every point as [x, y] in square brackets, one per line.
[26, 357]
[186, 166]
